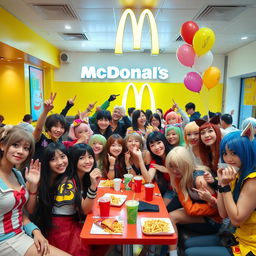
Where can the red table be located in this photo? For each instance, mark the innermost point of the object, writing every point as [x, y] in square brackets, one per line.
[132, 233]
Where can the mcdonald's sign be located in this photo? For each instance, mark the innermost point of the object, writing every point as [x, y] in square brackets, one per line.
[139, 95]
[137, 31]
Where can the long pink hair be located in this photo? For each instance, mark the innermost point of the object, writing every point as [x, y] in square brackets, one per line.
[172, 115]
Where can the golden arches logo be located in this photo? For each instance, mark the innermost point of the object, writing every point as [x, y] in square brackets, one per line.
[139, 95]
[137, 31]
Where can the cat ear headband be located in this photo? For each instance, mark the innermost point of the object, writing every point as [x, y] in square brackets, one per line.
[214, 120]
[248, 132]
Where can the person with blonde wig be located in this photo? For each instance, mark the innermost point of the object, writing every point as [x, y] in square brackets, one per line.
[193, 210]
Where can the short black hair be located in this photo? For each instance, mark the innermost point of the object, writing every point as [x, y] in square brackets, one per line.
[130, 110]
[190, 105]
[227, 118]
[27, 117]
[53, 120]
[103, 114]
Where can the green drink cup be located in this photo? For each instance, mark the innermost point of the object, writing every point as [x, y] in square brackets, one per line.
[132, 211]
[128, 181]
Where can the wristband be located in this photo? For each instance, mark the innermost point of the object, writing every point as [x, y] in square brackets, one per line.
[224, 189]
[29, 228]
[31, 193]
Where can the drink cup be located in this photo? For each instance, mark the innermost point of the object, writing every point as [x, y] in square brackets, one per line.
[132, 211]
[117, 184]
[137, 183]
[104, 203]
[149, 188]
[128, 181]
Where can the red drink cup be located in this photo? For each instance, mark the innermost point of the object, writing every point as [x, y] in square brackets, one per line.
[149, 188]
[104, 203]
[137, 183]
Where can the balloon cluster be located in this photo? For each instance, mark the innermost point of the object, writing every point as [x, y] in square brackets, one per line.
[197, 55]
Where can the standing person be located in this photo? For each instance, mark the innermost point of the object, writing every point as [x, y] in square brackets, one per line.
[26, 123]
[19, 236]
[234, 190]
[98, 142]
[130, 112]
[120, 122]
[191, 110]
[114, 163]
[102, 125]
[61, 205]
[226, 121]
[55, 127]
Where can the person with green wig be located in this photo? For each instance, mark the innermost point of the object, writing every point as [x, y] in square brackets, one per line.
[174, 135]
[98, 142]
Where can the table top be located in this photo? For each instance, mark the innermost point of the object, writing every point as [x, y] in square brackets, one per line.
[132, 233]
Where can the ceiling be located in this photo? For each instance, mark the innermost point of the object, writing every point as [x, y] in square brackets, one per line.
[97, 20]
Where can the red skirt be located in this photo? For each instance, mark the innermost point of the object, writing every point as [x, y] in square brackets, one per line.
[65, 235]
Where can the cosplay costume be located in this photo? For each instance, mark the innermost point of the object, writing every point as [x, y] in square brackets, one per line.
[246, 233]
[66, 229]
[14, 237]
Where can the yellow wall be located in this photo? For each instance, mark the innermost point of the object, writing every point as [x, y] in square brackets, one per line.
[12, 91]
[16, 34]
[164, 93]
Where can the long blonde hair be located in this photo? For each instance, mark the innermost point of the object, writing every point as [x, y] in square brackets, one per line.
[180, 158]
[190, 127]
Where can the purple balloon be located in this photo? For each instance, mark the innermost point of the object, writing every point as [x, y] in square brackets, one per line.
[193, 81]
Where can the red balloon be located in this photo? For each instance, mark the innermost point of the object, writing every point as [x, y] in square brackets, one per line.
[188, 30]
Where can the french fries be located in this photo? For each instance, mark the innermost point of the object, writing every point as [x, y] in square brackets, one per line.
[155, 226]
[117, 227]
[115, 200]
[107, 183]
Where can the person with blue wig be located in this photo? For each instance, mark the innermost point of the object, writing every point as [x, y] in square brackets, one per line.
[236, 199]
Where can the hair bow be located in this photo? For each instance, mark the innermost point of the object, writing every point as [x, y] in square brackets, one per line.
[77, 122]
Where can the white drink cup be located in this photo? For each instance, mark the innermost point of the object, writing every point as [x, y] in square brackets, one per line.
[117, 184]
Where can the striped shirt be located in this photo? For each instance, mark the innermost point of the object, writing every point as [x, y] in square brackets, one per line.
[11, 206]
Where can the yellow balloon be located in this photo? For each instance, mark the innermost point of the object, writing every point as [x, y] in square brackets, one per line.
[211, 77]
[203, 41]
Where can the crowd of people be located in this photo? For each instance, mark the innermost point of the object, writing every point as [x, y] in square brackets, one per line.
[205, 170]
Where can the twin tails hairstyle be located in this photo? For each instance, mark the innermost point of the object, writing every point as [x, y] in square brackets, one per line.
[10, 135]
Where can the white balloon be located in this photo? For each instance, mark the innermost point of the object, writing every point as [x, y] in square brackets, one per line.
[203, 62]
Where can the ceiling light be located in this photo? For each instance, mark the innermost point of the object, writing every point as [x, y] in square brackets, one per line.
[244, 37]
[68, 27]
[19, 58]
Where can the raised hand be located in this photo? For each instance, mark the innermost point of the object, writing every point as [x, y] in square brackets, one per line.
[111, 160]
[227, 175]
[208, 177]
[137, 152]
[95, 176]
[32, 174]
[48, 104]
[72, 101]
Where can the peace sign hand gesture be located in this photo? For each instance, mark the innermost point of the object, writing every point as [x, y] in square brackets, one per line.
[48, 104]
[72, 101]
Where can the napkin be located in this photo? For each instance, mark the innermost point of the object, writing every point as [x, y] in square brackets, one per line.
[146, 207]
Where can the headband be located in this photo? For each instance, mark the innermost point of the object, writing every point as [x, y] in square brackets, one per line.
[214, 120]
[77, 122]
[248, 132]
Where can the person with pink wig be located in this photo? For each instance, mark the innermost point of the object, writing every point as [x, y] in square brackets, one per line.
[79, 132]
